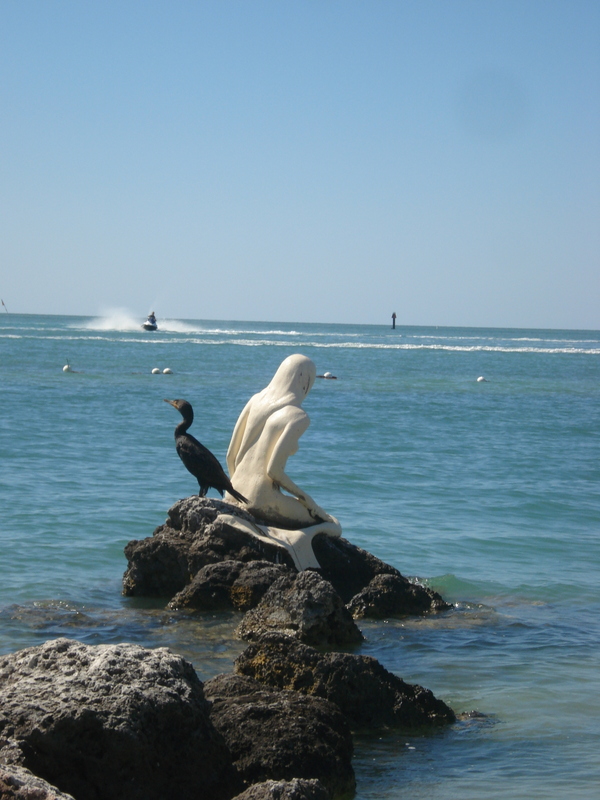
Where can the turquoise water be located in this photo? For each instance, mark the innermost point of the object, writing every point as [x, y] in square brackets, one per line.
[488, 491]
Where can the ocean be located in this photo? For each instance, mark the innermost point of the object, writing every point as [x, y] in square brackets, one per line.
[487, 491]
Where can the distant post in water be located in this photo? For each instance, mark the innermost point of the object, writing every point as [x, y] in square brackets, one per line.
[394, 321]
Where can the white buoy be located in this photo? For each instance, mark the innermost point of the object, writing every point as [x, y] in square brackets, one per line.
[327, 374]
[481, 379]
[167, 371]
[156, 371]
[67, 368]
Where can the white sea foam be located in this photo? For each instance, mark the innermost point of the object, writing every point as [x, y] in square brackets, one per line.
[125, 320]
[250, 332]
[210, 340]
[450, 338]
[274, 332]
[117, 319]
[408, 346]
[177, 326]
[248, 335]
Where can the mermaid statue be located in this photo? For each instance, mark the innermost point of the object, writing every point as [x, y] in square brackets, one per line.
[265, 436]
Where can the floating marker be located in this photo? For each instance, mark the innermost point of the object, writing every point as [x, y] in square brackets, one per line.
[328, 376]
[67, 368]
[156, 371]
[167, 371]
[481, 379]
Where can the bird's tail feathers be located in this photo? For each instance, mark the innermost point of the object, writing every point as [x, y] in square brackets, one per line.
[234, 493]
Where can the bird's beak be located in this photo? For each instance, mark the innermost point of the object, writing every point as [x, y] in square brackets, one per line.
[170, 402]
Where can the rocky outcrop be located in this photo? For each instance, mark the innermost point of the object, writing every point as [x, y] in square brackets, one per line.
[366, 693]
[351, 570]
[119, 721]
[196, 535]
[113, 722]
[305, 606]
[387, 593]
[18, 783]
[192, 537]
[229, 584]
[286, 790]
[281, 735]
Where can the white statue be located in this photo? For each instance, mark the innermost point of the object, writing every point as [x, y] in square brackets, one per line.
[265, 435]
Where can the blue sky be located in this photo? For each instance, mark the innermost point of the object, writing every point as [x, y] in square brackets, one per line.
[303, 160]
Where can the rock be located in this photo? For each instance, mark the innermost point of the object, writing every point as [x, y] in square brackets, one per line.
[306, 607]
[10, 752]
[158, 566]
[229, 584]
[296, 789]
[192, 537]
[282, 735]
[18, 783]
[195, 536]
[390, 595]
[366, 693]
[113, 722]
[350, 570]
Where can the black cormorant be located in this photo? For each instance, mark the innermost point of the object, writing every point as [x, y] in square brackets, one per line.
[198, 459]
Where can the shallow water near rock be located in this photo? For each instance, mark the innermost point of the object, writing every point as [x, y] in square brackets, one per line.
[487, 491]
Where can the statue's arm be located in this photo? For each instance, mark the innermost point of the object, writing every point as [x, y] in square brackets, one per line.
[287, 445]
[236, 439]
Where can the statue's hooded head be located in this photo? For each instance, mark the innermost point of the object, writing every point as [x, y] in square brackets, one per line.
[293, 380]
[288, 387]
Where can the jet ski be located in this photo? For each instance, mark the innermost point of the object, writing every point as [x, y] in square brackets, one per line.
[150, 324]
